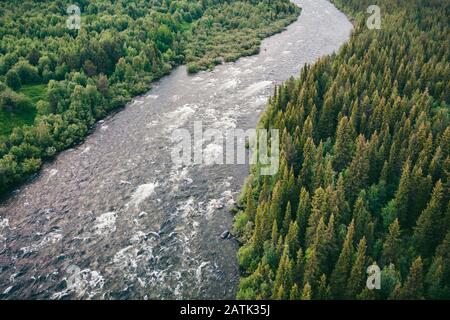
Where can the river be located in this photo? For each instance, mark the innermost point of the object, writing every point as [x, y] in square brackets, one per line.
[116, 218]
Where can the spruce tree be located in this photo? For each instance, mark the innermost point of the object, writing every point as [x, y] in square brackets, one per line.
[303, 213]
[413, 288]
[323, 290]
[402, 196]
[306, 292]
[357, 279]
[357, 174]
[392, 245]
[295, 294]
[284, 276]
[429, 230]
[344, 146]
[343, 266]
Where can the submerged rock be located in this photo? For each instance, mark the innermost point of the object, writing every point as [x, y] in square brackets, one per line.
[225, 235]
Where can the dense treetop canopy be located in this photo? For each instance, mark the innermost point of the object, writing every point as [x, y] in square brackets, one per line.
[364, 168]
[56, 82]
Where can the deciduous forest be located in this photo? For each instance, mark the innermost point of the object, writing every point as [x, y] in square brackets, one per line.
[55, 83]
[364, 171]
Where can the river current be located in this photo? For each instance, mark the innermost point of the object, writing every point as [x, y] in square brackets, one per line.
[116, 218]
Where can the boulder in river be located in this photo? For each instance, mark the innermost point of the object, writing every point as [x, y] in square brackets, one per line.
[225, 235]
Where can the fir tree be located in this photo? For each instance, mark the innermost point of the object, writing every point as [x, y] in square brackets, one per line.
[295, 294]
[429, 230]
[343, 266]
[344, 146]
[392, 244]
[413, 286]
[306, 292]
[356, 280]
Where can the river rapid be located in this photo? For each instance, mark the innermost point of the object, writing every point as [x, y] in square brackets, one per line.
[116, 218]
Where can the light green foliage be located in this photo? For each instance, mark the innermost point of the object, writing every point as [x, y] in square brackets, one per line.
[71, 78]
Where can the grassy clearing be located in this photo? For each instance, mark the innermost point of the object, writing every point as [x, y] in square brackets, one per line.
[35, 92]
[12, 119]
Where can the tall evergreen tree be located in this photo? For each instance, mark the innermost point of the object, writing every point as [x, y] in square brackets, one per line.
[413, 287]
[392, 244]
[344, 146]
[356, 280]
[429, 231]
[306, 292]
[343, 266]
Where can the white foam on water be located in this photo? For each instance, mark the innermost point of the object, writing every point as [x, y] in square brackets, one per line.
[179, 116]
[226, 199]
[142, 192]
[157, 277]
[187, 209]
[212, 206]
[141, 282]
[85, 284]
[230, 84]
[86, 150]
[125, 258]
[211, 82]
[137, 102]
[259, 101]
[178, 176]
[254, 88]
[213, 153]
[105, 223]
[175, 98]
[51, 238]
[232, 69]
[137, 237]
[131, 259]
[152, 123]
[229, 199]
[225, 123]
[52, 173]
[177, 291]
[199, 270]
[197, 79]
[4, 223]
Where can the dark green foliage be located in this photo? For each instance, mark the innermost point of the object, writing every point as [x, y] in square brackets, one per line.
[370, 154]
[13, 80]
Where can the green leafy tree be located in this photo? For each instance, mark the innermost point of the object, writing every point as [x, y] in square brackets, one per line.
[13, 80]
